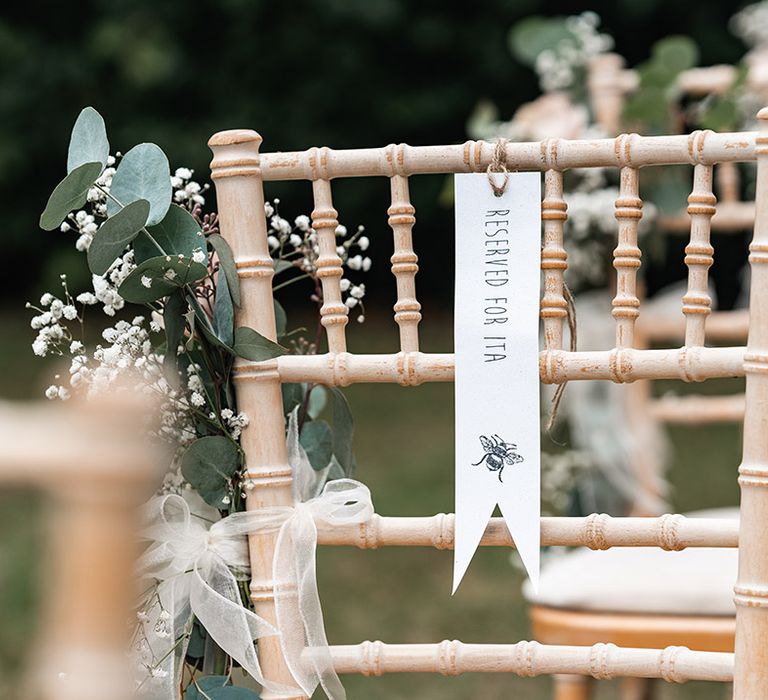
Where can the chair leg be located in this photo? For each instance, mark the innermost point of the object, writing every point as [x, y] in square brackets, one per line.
[569, 687]
[637, 689]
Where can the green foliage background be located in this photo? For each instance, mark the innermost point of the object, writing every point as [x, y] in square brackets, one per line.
[345, 73]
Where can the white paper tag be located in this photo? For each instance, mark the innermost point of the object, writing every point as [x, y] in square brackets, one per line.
[496, 319]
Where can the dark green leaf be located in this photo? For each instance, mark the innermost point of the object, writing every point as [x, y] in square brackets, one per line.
[177, 233]
[196, 646]
[223, 313]
[174, 322]
[143, 173]
[227, 263]
[71, 193]
[206, 684]
[115, 234]
[217, 688]
[208, 465]
[293, 396]
[317, 440]
[343, 431]
[254, 346]
[281, 319]
[282, 266]
[203, 324]
[163, 274]
[88, 142]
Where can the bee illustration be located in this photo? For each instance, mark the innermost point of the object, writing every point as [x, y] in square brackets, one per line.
[498, 454]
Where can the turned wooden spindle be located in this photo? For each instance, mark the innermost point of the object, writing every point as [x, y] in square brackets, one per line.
[751, 592]
[404, 261]
[333, 313]
[728, 182]
[554, 260]
[239, 191]
[626, 256]
[698, 255]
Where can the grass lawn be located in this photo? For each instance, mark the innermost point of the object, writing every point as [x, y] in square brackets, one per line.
[404, 446]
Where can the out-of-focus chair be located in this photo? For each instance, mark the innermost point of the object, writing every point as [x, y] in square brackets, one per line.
[94, 470]
[651, 598]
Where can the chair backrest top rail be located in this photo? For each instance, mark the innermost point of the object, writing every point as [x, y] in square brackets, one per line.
[626, 150]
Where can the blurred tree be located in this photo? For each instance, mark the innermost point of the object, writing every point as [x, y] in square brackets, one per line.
[340, 72]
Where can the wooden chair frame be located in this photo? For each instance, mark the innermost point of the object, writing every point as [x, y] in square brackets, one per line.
[96, 474]
[239, 171]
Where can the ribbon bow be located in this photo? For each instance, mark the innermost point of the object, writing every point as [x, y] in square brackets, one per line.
[199, 566]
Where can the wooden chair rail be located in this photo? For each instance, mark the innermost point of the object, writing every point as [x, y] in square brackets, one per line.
[691, 364]
[602, 661]
[626, 150]
[597, 531]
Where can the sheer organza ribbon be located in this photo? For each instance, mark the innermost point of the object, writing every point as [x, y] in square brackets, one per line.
[199, 566]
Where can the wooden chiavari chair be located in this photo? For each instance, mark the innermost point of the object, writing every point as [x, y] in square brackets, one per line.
[239, 171]
[582, 598]
[95, 473]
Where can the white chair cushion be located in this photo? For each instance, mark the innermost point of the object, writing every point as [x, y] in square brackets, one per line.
[695, 581]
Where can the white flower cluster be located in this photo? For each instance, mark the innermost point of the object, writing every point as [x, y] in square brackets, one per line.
[187, 192]
[153, 622]
[298, 244]
[559, 472]
[750, 24]
[558, 68]
[234, 422]
[105, 287]
[52, 333]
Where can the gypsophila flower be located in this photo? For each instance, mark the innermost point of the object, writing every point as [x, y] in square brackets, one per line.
[302, 222]
[146, 281]
[198, 255]
[197, 399]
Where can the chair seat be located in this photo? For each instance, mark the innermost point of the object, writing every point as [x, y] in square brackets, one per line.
[695, 581]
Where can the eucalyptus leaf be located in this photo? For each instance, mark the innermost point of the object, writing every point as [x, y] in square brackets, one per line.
[115, 234]
[223, 313]
[88, 142]
[158, 277]
[343, 431]
[318, 399]
[71, 193]
[529, 37]
[254, 346]
[174, 322]
[281, 319]
[196, 646]
[293, 396]
[227, 263]
[218, 688]
[177, 233]
[317, 440]
[143, 173]
[204, 326]
[282, 266]
[208, 465]
[205, 684]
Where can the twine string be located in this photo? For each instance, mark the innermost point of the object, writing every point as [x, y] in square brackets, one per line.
[570, 310]
[498, 164]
